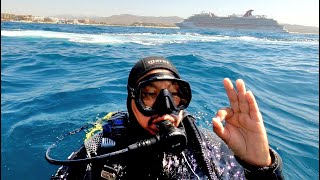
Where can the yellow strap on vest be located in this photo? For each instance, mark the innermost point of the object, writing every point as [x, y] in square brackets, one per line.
[97, 126]
[108, 116]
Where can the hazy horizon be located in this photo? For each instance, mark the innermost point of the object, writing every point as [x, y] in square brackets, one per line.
[294, 12]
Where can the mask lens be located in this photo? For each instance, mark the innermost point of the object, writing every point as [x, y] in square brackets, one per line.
[148, 91]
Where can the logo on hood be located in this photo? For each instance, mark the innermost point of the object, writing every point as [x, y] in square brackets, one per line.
[158, 61]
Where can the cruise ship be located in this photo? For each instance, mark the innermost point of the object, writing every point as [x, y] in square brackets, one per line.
[234, 22]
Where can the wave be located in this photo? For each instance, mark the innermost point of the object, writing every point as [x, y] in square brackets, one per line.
[148, 38]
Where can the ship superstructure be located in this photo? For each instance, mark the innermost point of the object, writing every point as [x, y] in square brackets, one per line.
[245, 22]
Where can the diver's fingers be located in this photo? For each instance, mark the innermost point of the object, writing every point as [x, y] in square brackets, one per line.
[232, 94]
[243, 103]
[253, 106]
[220, 130]
[225, 113]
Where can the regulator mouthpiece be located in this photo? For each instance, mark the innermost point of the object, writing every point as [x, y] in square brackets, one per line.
[172, 139]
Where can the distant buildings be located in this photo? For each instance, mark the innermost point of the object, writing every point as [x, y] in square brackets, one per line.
[5, 16]
[42, 19]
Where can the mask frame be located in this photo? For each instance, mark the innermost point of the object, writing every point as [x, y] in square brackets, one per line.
[164, 95]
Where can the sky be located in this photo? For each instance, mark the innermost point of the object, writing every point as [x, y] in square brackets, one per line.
[299, 12]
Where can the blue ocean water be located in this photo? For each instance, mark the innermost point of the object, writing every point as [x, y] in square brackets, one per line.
[56, 78]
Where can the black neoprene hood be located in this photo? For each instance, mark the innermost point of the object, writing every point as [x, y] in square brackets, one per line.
[144, 65]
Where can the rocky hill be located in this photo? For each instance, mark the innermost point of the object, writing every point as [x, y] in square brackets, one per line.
[301, 29]
[127, 19]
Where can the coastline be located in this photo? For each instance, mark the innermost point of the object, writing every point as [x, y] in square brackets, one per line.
[299, 29]
[289, 28]
[83, 24]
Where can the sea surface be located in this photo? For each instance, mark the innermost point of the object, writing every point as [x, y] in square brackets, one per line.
[56, 78]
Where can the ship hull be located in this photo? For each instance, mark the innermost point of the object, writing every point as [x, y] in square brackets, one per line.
[232, 23]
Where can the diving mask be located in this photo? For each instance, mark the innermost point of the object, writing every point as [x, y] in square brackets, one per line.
[161, 93]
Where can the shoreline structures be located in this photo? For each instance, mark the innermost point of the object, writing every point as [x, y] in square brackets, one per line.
[92, 24]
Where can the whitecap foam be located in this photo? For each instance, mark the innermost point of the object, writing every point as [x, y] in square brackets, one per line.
[145, 38]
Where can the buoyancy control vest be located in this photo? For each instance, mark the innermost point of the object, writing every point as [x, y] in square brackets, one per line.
[200, 162]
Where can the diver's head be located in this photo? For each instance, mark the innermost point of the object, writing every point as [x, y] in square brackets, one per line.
[156, 93]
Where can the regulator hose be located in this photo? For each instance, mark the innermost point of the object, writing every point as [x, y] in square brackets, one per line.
[169, 137]
[137, 145]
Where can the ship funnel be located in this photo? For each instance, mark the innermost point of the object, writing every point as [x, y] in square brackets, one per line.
[248, 13]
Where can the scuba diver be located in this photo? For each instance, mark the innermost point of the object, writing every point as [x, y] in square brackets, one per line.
[165, 141]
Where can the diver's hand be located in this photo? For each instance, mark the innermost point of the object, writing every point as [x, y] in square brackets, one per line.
[244, 131]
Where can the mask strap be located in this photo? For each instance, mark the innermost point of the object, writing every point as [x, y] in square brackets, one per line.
[131, 92]
[160, 75]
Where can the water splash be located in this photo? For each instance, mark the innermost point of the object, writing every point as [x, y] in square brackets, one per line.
[145, 38]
